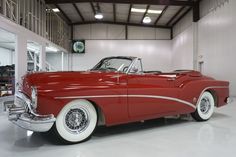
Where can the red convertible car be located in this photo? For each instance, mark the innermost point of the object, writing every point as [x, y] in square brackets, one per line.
[115, 91]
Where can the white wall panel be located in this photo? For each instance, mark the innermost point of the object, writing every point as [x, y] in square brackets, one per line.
[115, 32]
[141, 33]
[182, 50]
[182, 44]
[110, 31]
[156, 54]
[82, 32]
[217, 42]
[6, 57]
[98, 31]
[162, 33]
[183, 24]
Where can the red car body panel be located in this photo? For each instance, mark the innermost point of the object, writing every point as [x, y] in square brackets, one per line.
[124, 98]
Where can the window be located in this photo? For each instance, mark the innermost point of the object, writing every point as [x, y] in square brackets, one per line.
[137, 67]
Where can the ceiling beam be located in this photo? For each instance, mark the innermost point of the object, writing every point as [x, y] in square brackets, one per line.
[129, 14]
[148, 6]
[78, 11]
[150, 2]
[121, 23]
[98, 7]
[162, 13]
[68, 21]
[182, 16]
[114, 12]
[196, 11]
[93, 8]
[175, 15]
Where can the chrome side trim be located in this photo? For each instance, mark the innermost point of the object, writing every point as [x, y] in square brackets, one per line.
[143, 96]
[137, 96]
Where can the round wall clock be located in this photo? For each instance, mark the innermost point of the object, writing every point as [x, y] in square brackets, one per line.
[78, 47]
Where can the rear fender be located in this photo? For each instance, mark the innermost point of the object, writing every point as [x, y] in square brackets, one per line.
[192, 90]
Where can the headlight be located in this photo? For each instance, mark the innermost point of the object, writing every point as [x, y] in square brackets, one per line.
[34, 97]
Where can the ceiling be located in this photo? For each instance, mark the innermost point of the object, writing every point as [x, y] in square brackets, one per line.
[77, 12]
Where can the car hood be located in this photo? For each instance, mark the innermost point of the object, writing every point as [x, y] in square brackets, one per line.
[51, 81]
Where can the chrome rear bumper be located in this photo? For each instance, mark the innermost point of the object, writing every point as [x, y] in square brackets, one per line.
[22, 114]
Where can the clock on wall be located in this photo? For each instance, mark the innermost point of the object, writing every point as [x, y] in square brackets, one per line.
[78, 46]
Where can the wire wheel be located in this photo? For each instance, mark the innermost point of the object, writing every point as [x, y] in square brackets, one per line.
[76, 121]
[205, 107]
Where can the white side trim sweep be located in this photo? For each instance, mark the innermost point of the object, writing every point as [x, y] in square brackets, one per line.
[137, 96]
[143, 96]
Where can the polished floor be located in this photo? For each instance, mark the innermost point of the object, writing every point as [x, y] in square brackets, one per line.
[164, 137]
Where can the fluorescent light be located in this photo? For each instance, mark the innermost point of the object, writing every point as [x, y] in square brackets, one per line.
[138, 10]
[56, 10]
[51, 49]
[154, 11]
[98, 16]
[147, 19]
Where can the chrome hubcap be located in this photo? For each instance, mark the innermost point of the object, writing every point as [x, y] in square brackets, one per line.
[205, 105]
[76, 120]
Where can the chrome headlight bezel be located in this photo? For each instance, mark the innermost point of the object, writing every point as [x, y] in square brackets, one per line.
[34, 97]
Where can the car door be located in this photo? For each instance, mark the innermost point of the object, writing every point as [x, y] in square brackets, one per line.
[151, 94]
[115, 100]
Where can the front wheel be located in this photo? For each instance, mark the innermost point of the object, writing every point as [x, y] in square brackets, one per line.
[205, 107]
[76, 121]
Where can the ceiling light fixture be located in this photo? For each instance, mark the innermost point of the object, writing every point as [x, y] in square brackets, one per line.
[98, 16]
[56, 10]
[51, 49]
[154, 11]
[98, 12]
[147, 19]
[136, 10]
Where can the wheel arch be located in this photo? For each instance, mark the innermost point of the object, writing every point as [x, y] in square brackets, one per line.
[214, 94]
[100, 113]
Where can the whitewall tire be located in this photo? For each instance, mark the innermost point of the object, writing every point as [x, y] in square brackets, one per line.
[205, 107]
[76, 121]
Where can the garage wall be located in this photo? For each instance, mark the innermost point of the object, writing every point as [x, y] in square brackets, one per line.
[156, 54]
[109, 31]
[6, 57]
[217, 40]
[182, 44]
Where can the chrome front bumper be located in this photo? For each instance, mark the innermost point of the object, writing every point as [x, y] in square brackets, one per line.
[229, 100]
[22, 114]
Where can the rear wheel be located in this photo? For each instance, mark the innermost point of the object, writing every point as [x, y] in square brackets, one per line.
[76, 122]
[205, 107]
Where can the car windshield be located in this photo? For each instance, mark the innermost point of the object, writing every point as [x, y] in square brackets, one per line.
[113, 64]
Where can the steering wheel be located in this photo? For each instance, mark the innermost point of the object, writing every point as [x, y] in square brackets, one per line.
[125, 69]
[111, 69]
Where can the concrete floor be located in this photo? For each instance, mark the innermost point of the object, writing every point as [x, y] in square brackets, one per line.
[163, 137]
